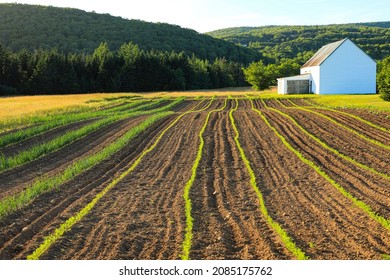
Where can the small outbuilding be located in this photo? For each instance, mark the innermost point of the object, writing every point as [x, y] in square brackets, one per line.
[337, 68]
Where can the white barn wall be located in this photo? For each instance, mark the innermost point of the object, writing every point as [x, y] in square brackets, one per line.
[282, 86]
[348, 71]
[315, 77]
[339, 68]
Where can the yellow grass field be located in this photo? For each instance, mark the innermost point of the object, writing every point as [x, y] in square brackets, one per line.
[24, 106]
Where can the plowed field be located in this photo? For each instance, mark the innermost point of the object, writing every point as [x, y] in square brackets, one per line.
[213, 179]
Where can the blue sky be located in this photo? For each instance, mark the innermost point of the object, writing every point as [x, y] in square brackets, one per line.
[208, 15]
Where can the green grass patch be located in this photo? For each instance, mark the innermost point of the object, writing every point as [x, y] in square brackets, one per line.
[369, 102]
[372, 102]
[288, 242]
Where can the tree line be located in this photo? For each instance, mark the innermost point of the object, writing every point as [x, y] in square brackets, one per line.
[128, 69]
[278, 42]
[383, 79]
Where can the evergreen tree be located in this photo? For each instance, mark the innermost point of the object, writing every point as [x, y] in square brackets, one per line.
[128, 69]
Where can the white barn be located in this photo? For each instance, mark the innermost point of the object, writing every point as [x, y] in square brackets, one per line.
[337, 68]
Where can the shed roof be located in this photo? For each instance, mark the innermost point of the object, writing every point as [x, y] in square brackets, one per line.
[322, 54]
[297, 77]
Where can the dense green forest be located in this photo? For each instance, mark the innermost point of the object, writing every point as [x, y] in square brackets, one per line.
[48, 50]
[383, 78]
[124, 70]
[75, 31]
[277, 42]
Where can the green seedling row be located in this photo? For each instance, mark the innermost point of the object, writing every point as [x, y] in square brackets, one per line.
[40, 118]
[138, 105]
[287, 240]
[53, 145]
[345, 114]
[324, 145]
[69, 137]
[187, 243]
[60, 120]
[358, 203]
[68, 224]
[370, 140]
[42, 185]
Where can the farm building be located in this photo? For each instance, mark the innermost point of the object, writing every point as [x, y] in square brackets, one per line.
[337, 68]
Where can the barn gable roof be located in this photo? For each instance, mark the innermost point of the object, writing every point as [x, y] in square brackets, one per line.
[322, 54]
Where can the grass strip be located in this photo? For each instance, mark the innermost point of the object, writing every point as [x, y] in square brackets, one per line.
[41, 117]
[60, 120]
[42, 185]
[138, 105]
[324, 145]
[313, 106]
[372, 141]
[12, 203]
[288, 242]
[53, 145]
[187, 243]
[24, 134]
[358, 203]
[68, 224]
[63, 140]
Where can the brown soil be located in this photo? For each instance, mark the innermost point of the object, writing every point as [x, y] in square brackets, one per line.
[17, 179]
[358, 126]
[227, 220]
[143, 216]
[144, 211]
[24, 229]
[381, 119]
[320, 220]
[375, 117]
[366, 186]
[344, 141]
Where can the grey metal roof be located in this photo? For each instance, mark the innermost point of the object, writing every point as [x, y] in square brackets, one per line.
[307, 75]
[323, 53]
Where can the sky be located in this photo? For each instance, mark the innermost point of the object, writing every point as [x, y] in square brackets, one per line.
[209, 15]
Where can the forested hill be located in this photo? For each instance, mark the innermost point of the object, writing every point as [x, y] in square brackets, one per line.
[278, 42]
[76, 31]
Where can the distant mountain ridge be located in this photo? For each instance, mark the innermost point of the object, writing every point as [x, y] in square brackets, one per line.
[276, 42]
[72, 30]
[75, 31]
[381, 24]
